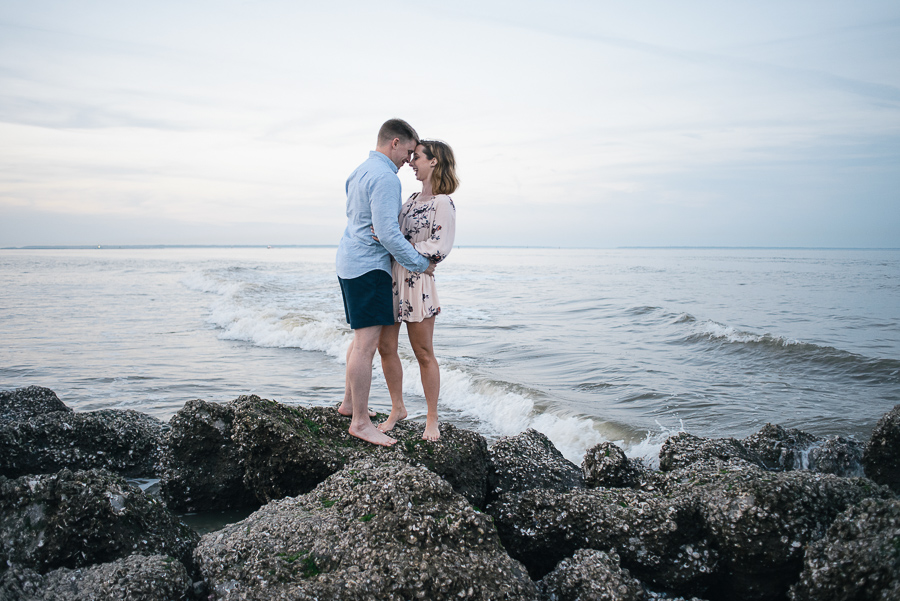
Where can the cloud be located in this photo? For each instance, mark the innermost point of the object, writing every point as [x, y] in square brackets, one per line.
[611, 123]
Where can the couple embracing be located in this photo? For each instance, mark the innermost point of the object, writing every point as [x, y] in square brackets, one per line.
[385, 266]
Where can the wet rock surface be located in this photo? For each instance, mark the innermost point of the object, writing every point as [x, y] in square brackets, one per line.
[123, 441]
[724, 520]
[526, 461]
[201, 467]
[660, 540]
[780, 448]
[760, 521]
[76, 519]
[683, 450]
[791, 449]
[606, 465]
[379, 530]
[23, 403]
[133, 578]
[859, 558]
[593, 575]
[882, 455]
[839, 456]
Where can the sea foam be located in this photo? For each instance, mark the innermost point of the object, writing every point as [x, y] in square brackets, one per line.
[498, 410]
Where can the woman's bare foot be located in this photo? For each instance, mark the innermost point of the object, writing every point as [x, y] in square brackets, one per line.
[348, 410]
[395, 416]
[370, 433]
[431, 430]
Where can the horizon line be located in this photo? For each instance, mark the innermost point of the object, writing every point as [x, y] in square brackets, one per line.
[272, 246]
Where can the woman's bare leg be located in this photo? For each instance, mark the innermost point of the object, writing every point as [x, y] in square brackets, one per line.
[393, 374]
[420, 337]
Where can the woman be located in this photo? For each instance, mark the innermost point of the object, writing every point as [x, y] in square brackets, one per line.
[428, 220]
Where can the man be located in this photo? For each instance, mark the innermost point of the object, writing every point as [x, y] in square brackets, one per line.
[364, 265]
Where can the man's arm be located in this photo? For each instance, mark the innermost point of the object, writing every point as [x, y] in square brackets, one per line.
[385, 198]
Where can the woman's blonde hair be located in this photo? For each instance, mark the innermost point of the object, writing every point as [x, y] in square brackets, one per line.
[443, 176]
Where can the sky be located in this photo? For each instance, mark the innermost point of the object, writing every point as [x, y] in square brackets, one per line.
[574, 123]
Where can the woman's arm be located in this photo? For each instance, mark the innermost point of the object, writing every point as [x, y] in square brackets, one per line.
[443, 230]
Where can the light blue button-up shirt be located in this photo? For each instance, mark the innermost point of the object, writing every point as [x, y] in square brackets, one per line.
[373, 199]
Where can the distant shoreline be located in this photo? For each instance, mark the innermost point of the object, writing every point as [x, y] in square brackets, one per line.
[283, 246]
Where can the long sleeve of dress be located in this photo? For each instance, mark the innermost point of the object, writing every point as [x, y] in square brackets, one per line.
[443, 230]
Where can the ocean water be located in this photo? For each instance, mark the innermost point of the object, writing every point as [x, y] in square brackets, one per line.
[627, 345]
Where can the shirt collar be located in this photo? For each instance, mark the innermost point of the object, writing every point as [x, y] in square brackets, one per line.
[374, 154]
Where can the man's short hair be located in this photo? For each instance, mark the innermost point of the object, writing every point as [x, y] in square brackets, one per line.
[396, 128]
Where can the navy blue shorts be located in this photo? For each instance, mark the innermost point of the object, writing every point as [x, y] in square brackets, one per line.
[368, 300]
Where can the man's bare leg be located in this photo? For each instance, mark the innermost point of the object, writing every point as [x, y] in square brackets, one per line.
[420, 337]
[393, 374]
[359, 379]
[346, 408]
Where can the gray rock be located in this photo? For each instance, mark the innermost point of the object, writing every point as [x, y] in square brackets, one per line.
[526, 461]
[792, 449]
[23, 403]
[657, 596]
[858, 559]
[122, 441]
[605, 465]
[683, 450]
[76, 519]
[839, 456]
[660, 540]
[380, 530]
[761, 521]
[460, 456]
[134, 578]
[781, 448]
[590, 575]
[289, 450]
[201, 467]
[882, 455]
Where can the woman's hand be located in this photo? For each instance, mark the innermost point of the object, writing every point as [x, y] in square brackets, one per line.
[374, 237]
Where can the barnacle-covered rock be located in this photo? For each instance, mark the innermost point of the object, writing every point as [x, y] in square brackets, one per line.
[882, 455]
[526, 461]
[660, 540]
[590, 575]
[75, 519]
[23, 403]
[201, 467]
[791, 449]
[254, 450]
[683, 450]
[460, 456]
[133, 578]
[859, 558]
[760, 521]
[123, 441]
[380, 530]
[287, 450]
[606, 465]
[839, 456]
[781, 448]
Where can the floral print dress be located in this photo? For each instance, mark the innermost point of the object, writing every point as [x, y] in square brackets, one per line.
[430, 225]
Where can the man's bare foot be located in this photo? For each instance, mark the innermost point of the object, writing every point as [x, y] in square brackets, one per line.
[370, 433]
[431, 430]
[348, 411]
[395, 416]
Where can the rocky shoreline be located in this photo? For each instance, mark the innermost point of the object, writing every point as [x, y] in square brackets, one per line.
[781, 514]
